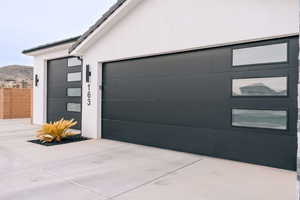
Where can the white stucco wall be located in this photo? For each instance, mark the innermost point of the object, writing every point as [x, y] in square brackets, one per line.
[40, 93]
[157, 26]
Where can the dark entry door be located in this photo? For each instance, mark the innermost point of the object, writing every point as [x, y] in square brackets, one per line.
[236, 102]
[64, 90]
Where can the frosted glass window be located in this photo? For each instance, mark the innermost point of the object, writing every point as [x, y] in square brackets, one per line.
[74, 107]
[74, 92]
[275, 53]
[260, 119]
[74, 62]
[76, 76]
[273, 86]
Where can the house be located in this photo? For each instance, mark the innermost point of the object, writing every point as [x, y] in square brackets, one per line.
[161, 73]
[260, 89]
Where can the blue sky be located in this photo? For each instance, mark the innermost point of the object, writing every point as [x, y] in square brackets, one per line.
[25, 24]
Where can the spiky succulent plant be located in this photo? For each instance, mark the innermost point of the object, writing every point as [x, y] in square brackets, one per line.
[56, 131]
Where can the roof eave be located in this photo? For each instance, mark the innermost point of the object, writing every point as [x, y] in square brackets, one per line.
[103, 19]
[50, 45]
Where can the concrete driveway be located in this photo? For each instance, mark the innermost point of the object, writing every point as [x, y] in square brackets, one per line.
[103, 169]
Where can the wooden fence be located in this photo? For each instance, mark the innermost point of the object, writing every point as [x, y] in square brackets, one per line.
[15, 103]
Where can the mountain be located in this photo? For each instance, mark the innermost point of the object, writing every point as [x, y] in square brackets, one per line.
[16, 76]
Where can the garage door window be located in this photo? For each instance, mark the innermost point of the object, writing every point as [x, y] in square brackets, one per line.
[271, 86]
[72, 62]
[275, 53]
[269, 119]
[74, 92]
[73, 107]
[74, 76]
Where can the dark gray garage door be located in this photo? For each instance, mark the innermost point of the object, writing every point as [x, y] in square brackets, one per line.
[235, 102]
[64, 90]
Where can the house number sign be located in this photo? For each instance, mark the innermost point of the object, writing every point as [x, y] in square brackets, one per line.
[89, 95]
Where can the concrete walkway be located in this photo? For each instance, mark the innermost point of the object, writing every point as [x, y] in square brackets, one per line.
[102, 170]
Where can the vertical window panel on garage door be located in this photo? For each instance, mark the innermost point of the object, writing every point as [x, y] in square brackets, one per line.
[64, 90]
[185, 102]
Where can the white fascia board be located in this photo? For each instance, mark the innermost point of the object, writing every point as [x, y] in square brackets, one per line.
[50, 49]
[113, 19]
